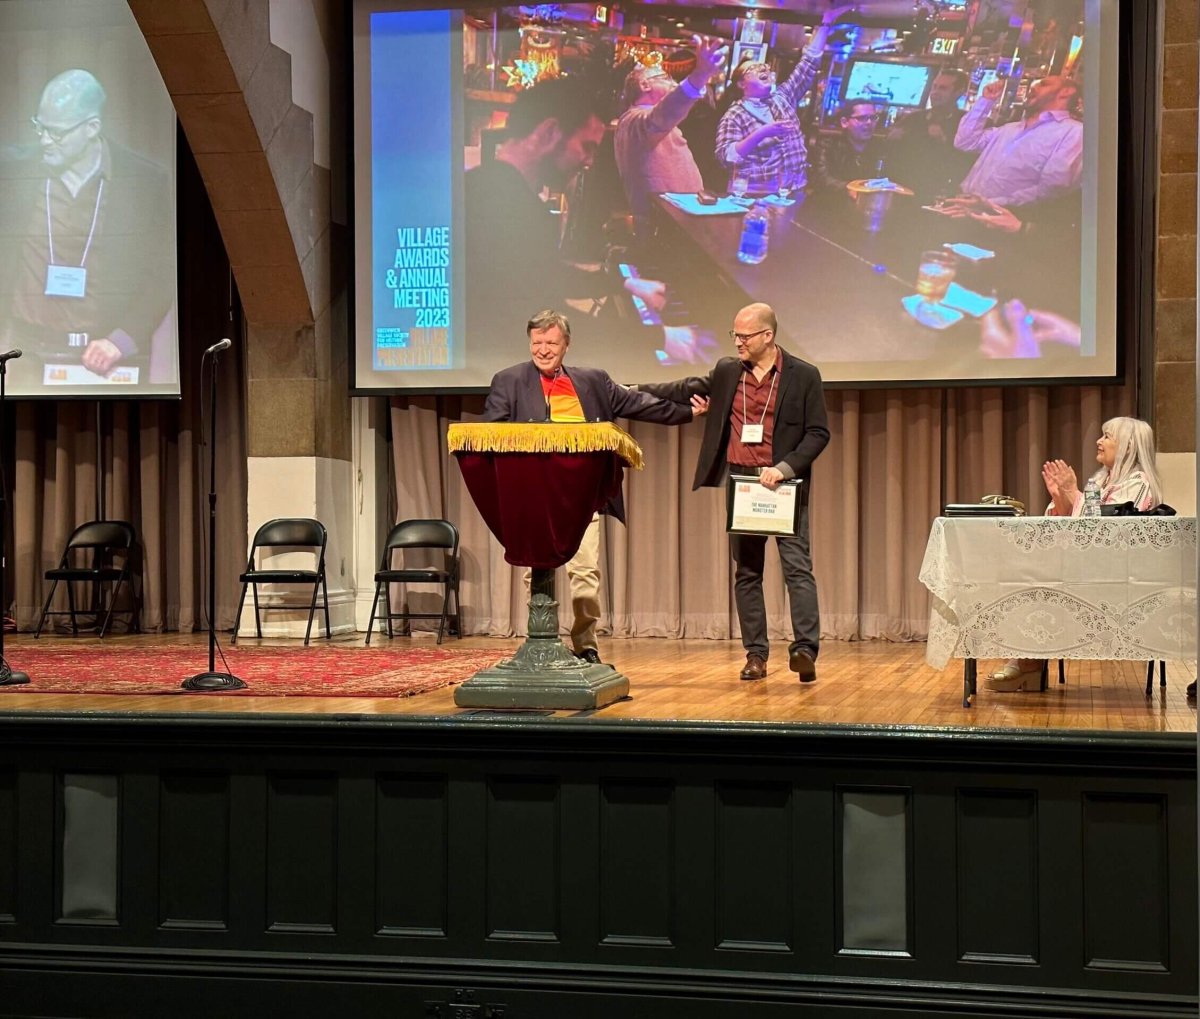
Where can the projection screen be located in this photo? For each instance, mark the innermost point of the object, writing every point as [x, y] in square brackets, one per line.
[87, 204]
[934, 199]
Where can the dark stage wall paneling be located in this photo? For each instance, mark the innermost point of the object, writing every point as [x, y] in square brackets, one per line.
[535, 869]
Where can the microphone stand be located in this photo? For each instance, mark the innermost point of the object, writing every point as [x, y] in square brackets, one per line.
[212, 679]
[8, 675]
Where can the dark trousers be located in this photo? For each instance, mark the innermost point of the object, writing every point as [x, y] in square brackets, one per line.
[749, 553]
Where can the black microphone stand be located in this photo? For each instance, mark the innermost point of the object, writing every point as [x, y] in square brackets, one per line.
[211, 680]
[8, 675]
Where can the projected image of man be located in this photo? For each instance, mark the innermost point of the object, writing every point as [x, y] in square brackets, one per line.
[87, 238]
[1032, 159]
[652, 154]
[514, 254]
[759, 138]
[855, 152]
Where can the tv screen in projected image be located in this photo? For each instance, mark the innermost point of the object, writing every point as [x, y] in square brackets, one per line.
[510, 159]
[87, 204]
[887, 83]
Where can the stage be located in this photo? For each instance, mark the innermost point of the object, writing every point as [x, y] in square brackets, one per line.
[709, 847]
[860, 683]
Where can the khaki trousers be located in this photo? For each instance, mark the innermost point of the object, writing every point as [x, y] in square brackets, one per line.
[583, 576]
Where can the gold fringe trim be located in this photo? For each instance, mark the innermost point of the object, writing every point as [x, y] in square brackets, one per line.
[545, 437]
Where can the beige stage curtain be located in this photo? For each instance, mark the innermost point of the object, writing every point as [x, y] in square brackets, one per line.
[894, 457]
[156, 477]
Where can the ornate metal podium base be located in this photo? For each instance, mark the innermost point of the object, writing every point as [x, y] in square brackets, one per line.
[543, 673]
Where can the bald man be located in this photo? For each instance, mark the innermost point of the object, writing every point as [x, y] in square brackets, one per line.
[87, 231]
[766, 419]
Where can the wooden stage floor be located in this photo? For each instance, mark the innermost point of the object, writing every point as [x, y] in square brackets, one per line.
[870, 682]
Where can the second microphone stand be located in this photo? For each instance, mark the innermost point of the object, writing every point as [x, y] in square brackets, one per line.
[212, 679]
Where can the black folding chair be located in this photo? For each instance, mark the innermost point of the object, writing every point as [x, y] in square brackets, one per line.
[410, 536]
[286, 532]
[90, 557]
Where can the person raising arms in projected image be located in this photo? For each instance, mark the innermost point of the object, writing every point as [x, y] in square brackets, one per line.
[1128, 473]
[652, 155]
[759, 138]
[90, 272]
[1029, 160]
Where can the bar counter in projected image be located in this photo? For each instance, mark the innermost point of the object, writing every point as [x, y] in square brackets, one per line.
[938, 187]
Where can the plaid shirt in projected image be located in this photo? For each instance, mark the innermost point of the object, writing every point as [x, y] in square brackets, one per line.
[785, 156]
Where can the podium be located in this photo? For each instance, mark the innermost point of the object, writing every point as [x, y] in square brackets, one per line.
[537, 486]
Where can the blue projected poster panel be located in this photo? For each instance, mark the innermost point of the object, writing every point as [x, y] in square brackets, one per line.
[416, 268]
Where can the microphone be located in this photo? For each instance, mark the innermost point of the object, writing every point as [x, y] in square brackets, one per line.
[9, 355]
[224, 344]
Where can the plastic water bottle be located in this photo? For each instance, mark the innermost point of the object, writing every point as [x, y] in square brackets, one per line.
[1091, 499]
[756, 236]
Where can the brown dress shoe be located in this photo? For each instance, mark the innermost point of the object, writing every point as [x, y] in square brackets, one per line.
[802, 664]
[755, 668]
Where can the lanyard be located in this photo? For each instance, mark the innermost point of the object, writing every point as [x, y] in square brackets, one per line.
[767, 405]
[91, 233]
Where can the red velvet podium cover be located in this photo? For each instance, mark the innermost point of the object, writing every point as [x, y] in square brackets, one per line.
[536, 485]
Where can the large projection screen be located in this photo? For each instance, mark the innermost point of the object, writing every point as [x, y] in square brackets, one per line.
[87, 204]
[939, 196]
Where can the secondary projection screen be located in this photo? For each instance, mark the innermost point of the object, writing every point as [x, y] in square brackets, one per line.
[959, 224]
[87, 204]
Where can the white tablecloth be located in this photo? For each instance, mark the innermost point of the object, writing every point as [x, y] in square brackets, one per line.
[1119, 588]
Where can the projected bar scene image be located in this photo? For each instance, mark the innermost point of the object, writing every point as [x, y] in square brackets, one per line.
[655, 165]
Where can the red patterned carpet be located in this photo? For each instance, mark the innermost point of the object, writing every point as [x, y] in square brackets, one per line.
[295, 671]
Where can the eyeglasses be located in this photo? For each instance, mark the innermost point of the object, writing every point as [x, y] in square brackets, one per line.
[743, 337]
[862, 118]
[56, 135]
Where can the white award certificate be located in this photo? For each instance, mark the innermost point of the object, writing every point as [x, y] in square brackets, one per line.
[755, 509]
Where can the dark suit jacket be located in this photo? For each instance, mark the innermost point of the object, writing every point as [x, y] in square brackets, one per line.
[801, 426]
[516, 395]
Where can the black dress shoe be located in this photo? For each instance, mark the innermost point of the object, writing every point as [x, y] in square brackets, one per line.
[589, 655]
[1191, 690]
[755, 668]
[801, 663]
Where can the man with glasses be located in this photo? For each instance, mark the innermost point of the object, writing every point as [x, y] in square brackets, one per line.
[766, 419]
[1032, 159]
[544, 389]
[855, 152]
[759, 138]
[88, 273]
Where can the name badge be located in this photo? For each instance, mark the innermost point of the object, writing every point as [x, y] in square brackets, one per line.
[752, 434]
[66, 281]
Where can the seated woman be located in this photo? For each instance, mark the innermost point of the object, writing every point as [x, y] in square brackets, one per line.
[1125, 452]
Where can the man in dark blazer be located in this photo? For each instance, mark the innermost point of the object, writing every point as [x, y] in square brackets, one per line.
[544, 389]
[767, 418]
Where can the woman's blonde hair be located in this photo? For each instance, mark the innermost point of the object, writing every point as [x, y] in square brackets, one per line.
[1135, 453]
